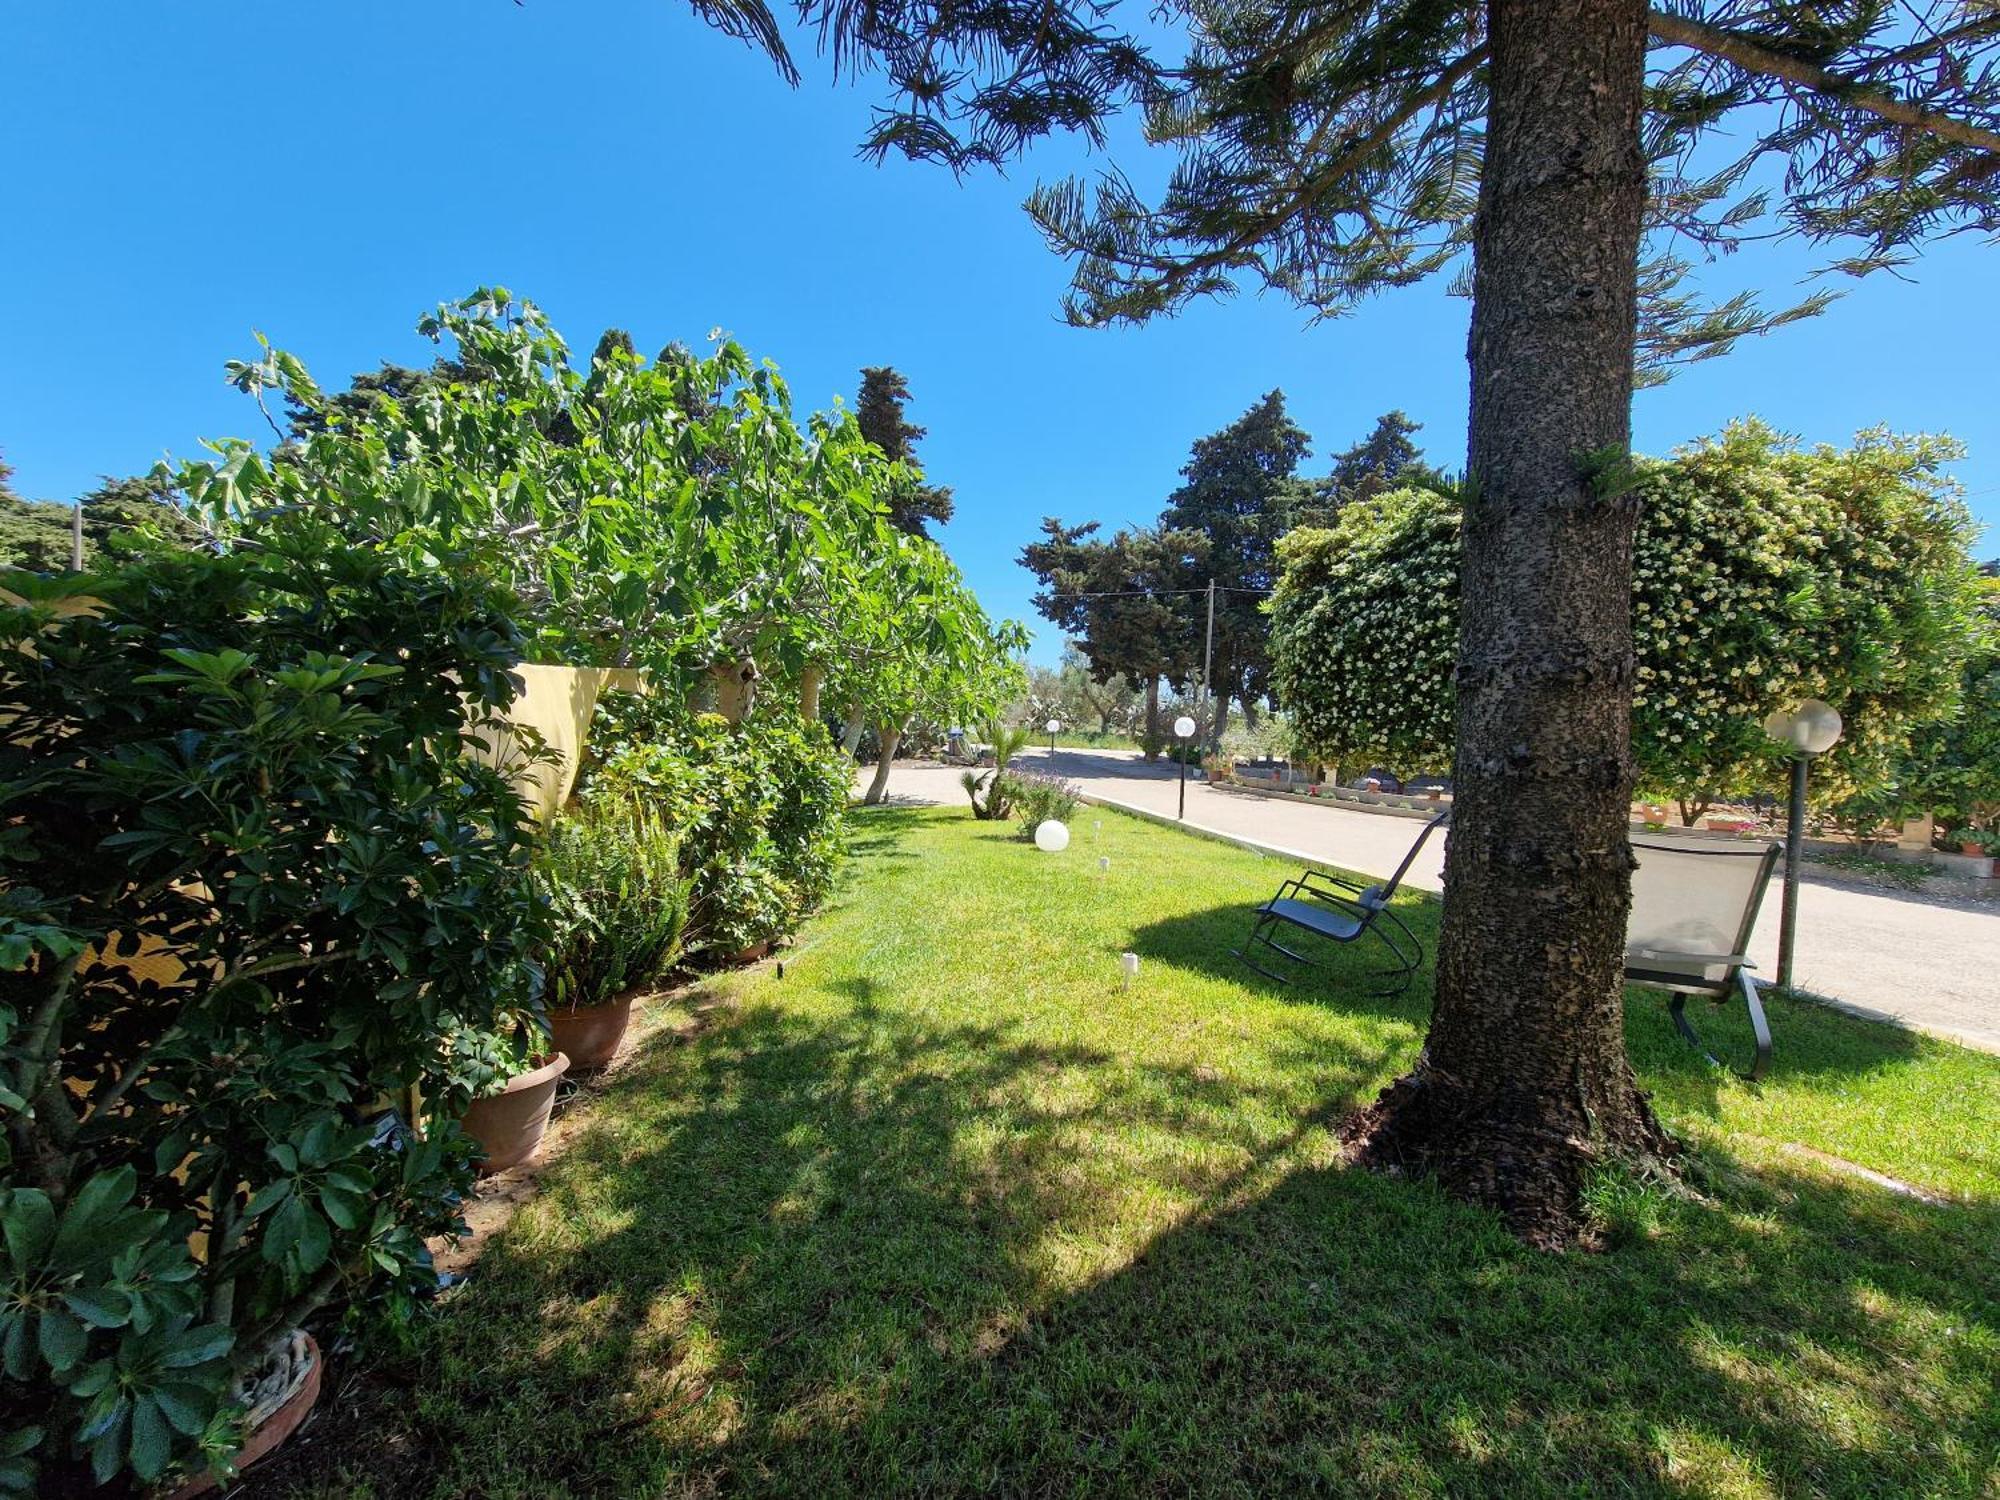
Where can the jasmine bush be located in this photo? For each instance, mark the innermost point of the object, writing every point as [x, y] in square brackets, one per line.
[1763, 574]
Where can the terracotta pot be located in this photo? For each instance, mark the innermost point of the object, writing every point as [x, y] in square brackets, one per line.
[751, 954]
[272, 1431]
[1975, 850]
[508, 1125]
[589, 1034]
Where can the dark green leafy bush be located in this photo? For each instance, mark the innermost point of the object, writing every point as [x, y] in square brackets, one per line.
[254, 885]
[618, 903]
[757, 808]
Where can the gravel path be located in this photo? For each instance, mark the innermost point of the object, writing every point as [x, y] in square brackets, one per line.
[1881, 954]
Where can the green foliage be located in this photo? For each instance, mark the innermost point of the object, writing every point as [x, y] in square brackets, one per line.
[121, 517]
[618, 903]
[1764, 574]
[1039, 797]
[757, 808]
[998, 788]
[1327, 153]
[255, 882]
[1952, 767]
[1117, 597]
[672, 515]
[1138, 604]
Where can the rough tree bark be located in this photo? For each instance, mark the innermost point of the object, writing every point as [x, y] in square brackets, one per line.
[1523, 1082]
[851, 730]
[891, 735]
[735, 688]
[809, 681]
[1153, 733]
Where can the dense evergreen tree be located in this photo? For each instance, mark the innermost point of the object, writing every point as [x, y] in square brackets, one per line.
[879, 409]
[1238, 488]
[1122, 600]
[1334, 148]
[119, 516]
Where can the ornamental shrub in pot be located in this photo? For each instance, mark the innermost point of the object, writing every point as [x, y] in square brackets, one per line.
[617, 907]
[254, 882]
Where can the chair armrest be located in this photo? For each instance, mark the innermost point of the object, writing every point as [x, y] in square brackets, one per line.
[1735, 960]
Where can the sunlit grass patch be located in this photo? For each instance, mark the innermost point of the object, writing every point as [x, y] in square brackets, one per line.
[948, 1209]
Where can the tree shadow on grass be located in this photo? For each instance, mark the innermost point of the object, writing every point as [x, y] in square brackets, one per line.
[774, 1227]
[845, 1242]
[865, 1257]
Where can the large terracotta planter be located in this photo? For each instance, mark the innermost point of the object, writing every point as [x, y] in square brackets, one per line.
[508, 1125]
[751, 954]
[270, 1429]
[589, 1034]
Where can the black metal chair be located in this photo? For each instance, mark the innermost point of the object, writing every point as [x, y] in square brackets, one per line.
[1693, 909]
[1333, 907]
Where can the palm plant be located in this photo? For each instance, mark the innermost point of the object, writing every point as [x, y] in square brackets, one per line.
[1007, 742]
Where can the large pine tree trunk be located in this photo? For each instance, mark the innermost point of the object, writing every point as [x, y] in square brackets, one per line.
[1523, 1081]
[1153, 732]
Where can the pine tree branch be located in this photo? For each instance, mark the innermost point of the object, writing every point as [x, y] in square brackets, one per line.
[1753, 56]
[1317, 183]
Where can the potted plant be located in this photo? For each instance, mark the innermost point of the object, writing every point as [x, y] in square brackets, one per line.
[509, 1115]
[1974, 841]
[617, 907]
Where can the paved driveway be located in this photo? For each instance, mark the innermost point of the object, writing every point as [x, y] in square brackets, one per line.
[1877, 953]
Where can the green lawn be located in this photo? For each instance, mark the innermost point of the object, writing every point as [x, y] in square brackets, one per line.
[946, 1211]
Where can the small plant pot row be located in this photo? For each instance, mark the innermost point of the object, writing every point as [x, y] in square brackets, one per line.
[508, 1128]
[509, 1125]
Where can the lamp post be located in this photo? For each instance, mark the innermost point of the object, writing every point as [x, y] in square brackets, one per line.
[1054, 727]
[1813, 728]
[1183, 731]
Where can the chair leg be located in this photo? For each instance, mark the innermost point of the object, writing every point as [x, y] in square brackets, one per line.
[1407, 962]
[1759, 1026]
[1760, 1029]
[1678, 1006]
[1259, 934]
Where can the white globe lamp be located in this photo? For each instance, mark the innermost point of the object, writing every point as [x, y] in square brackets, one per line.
[1184, 731]
[1051, 837]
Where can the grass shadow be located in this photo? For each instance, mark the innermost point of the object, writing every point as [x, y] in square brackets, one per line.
[947, 1211]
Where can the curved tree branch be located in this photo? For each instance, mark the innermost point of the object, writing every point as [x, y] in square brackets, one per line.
[1753, 56]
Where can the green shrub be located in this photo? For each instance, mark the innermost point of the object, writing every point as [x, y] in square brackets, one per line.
[254, 885]
[1763, 573]
[757, 808]
[1038, 797]
[618, 903]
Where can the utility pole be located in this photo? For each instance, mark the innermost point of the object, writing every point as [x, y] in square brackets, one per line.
[76, 538]
[1208, 651]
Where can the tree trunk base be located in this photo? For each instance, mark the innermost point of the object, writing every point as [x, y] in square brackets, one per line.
[1527, 1157]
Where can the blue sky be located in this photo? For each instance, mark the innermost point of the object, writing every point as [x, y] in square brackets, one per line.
[175, 177]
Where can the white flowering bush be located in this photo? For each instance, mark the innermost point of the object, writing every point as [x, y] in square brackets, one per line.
[1763, 573]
